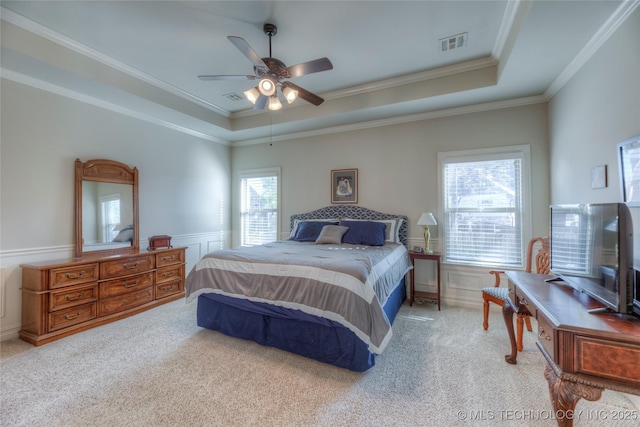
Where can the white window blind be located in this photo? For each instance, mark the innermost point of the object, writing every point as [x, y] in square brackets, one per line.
[483, 209]
[110, 216]
[572, 251]
[259, 207]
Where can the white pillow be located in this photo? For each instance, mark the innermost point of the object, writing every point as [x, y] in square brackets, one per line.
[392, 231]
[297, 222]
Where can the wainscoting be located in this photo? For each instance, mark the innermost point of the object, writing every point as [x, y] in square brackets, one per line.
[11, 274]
[460, 285]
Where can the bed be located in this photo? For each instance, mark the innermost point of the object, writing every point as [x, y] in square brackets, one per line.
[330, 292]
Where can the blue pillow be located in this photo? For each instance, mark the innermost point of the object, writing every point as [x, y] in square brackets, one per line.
[309, 231]
[364, 233]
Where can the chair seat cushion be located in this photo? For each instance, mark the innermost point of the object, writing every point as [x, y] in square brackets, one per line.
[500, 293]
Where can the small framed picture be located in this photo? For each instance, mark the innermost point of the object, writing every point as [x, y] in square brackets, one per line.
[344, 186]
[629, 168]
[599, 177]
[418, 249]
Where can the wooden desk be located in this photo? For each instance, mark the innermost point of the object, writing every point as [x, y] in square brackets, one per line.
[434, 256]
[586, 353]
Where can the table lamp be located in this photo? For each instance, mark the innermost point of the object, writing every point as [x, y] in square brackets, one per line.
[427, 219]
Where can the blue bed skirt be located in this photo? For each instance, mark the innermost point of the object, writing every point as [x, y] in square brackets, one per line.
[292, 330]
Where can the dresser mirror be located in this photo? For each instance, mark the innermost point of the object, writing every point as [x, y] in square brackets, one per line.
[106, 208]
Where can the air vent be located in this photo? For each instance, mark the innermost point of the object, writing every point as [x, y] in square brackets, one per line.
[453, 42]
[233, 96]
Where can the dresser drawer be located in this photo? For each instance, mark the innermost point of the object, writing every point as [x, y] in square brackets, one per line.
[124, 302]
[169, 258]
[71, 316]
[168, 274]
[524, 305]
[613, 360]
[126, 266]
[168, 288]
[69, 297]
[545, 336]
[125, 285]
[72, 275]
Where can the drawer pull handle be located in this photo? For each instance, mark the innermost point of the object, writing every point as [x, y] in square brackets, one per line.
[167, 288]
[74, 298]
[75, 276]
[167, 274]
[544, 335]
[524, 301]
[131, 285]
[168, 258]
[131, 266]
[71, 317]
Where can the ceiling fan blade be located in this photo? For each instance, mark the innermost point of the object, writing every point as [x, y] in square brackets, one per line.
[311, 98]
[244, 47]
[315, 66]
[224, 77]
[261, 102]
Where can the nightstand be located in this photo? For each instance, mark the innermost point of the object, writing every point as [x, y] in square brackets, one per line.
[435, 256]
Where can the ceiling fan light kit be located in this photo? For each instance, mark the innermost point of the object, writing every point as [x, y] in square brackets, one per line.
[273, 74]
[267, 87]
[252, 94]
[290, 94]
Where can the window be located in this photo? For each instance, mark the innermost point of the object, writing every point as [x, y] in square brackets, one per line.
[110, 216]
[259, 206]
[484, 212]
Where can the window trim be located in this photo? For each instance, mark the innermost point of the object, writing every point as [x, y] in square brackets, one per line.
[260, 173]
[482, 154]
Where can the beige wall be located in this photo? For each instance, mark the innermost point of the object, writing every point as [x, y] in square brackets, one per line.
[397, 164]
[184, 182]
[598, 108]
[398, 173]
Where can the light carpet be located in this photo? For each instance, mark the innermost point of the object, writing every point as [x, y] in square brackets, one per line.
[159, 369]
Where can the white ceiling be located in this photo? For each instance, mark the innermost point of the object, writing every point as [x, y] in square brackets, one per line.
[143, 57]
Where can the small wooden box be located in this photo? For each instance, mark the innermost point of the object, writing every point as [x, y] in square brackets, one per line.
[157, 242]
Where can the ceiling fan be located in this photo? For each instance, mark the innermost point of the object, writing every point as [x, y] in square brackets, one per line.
[273, 74]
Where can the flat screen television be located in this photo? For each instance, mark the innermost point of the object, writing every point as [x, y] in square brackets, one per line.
[592, 251]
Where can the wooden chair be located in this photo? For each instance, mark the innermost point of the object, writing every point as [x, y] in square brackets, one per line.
[499, 295]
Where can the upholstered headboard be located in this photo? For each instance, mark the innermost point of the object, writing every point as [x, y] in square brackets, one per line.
[355, 212]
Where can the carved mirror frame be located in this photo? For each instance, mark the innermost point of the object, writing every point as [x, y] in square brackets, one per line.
[110, 171]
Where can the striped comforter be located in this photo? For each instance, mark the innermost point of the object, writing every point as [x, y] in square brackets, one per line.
[345, 283]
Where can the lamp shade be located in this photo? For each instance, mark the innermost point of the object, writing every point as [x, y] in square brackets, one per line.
[267, 87]
[252, 94]
[427, 218]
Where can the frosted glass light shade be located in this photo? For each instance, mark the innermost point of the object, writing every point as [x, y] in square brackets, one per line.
[267, 87]
[290, 94]
[252, 94]
[274, 103]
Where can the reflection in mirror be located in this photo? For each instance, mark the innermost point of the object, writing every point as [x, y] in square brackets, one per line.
[107, 215]
[106, 208]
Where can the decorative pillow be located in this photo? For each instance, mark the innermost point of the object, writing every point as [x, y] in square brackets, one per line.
[392, 230]
[369, 233]
[297, 222]
[308, 231]
[125, 235]
[331, 234]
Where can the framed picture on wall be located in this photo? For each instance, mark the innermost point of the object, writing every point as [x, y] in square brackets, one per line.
[344, 186]
[629, 167]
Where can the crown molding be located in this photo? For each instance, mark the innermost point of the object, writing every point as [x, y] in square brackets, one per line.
[57, 38]
[67, 93]
[449, 70]
[456, 111]
[602, 35]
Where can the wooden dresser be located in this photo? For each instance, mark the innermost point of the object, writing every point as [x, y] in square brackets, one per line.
[61, 298]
